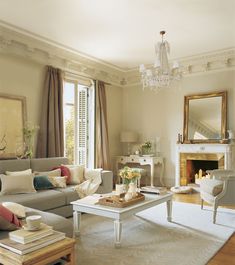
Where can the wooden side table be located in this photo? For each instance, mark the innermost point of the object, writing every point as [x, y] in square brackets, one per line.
[61, 249]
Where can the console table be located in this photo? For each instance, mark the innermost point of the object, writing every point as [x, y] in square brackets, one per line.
[143, 160]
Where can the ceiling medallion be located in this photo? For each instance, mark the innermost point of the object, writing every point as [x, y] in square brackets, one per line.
[161, 74]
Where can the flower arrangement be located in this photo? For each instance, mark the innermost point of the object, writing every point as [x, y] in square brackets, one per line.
[146, 147]
[129, 175]
[29, 132]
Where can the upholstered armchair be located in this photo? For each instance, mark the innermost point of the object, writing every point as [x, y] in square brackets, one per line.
[220, 190]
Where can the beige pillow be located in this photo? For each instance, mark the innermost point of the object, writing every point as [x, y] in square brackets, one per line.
[52, 173]
[17, 184]
[77, 173]
[17, 209]
[17, 173]
[58, 182]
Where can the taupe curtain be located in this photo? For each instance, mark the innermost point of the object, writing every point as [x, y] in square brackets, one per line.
[102, 139]
[51, 132]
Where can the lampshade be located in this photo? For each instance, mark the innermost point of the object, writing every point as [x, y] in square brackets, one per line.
[128, 137]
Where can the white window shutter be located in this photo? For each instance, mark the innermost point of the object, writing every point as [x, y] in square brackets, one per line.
[82, 125]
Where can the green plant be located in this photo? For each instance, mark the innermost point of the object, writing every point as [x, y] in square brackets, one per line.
[29, 132]
[146, 147]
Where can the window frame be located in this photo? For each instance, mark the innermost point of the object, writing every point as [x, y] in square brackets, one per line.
[90, 120]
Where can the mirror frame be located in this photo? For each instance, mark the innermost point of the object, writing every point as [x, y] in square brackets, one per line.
[222, 94]
[23, 117]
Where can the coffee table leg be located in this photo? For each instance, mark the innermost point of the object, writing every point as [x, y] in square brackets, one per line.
[169, 210]
[117, 233]
[76, 223]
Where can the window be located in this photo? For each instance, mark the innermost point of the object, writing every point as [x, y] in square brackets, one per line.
[79, 122]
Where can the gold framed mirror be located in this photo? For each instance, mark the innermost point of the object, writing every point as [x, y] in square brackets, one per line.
[205, 118]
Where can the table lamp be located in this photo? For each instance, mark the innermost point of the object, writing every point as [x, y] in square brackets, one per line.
[128, 137]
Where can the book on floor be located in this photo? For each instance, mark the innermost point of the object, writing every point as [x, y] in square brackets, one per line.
[24, 236]
[23, 249]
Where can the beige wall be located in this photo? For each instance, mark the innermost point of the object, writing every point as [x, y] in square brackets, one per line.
[23, 77]
[161, 114]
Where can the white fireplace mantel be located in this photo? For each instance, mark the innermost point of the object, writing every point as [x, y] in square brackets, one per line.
[226, 149]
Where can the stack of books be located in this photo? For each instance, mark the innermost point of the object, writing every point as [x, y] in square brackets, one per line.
[154, 190]
[23, 242]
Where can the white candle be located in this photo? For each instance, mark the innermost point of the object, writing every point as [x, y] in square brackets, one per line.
[119, 189]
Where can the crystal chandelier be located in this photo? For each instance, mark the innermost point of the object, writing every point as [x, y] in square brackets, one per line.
[161, 73]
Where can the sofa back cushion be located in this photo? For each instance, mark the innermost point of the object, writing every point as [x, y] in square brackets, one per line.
[14, 165]
[47, 164]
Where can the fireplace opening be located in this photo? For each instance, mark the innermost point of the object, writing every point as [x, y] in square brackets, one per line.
[197, 168]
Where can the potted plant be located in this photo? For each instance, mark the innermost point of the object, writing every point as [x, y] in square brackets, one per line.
[147, 148]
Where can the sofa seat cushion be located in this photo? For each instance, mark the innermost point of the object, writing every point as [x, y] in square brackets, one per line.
[58, 223]
[211, 186]
[42, 200]
[69, 193]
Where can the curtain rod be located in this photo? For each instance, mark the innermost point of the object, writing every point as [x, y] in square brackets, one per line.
[86, 77]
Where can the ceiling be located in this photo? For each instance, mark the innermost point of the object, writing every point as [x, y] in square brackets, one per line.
[123, 32]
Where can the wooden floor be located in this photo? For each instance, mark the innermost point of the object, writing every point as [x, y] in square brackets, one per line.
[226, 255]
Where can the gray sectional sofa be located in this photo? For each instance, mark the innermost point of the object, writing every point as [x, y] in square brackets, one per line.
[53, 202]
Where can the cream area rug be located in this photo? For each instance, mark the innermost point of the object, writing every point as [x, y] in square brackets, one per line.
[148, 239]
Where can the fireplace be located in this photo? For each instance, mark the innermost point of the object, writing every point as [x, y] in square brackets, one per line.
[197, 168]
[192, 159]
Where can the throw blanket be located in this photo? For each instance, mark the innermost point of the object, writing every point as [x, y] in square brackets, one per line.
[91, 183]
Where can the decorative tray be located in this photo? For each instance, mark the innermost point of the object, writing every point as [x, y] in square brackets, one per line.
[119, 201]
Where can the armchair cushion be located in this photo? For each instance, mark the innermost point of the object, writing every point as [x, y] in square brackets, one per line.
[211, 186]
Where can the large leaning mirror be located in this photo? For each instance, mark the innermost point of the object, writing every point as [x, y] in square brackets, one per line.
[205, 118]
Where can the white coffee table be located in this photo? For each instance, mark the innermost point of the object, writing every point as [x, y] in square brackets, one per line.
[88, 205]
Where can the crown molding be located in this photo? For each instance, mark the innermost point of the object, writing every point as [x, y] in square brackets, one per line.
[43, 52]
[217, 61]
[26, 44]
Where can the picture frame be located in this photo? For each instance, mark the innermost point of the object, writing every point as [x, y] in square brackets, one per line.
[12, 121]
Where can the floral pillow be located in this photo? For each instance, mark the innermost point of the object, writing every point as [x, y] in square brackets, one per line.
[65, 172]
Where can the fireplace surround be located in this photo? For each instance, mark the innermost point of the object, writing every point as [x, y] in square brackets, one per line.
[223, 154]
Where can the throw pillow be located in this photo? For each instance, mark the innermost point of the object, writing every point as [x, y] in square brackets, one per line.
[17, 173]
[42, 183]
[15, 208]
[77, 173]
[8, 220]
[17, 184]
[65, 172]
[52, 173]
[58, 182]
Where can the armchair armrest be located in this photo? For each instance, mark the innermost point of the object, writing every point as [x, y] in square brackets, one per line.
[106, 185]
[221, 173]
[211, 186]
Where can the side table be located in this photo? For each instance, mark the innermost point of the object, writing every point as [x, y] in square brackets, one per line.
[143, 160]
[61, 249]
